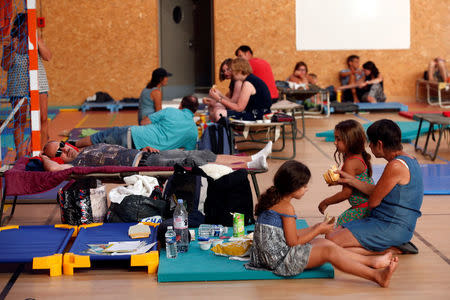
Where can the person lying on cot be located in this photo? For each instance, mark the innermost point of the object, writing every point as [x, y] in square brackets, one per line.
[115, 155]
[170, 128]
[394, 202]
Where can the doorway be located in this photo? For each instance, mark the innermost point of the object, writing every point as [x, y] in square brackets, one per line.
[186, 48]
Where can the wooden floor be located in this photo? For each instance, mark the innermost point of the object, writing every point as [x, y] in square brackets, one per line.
[418, 276]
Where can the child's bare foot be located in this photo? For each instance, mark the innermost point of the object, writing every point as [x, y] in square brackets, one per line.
[394, 251]
[384, 277]
[382, 261]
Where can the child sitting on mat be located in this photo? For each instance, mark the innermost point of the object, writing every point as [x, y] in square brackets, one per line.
[286, 251]
[350, 141]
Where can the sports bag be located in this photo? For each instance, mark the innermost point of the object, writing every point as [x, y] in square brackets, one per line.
[217, 138]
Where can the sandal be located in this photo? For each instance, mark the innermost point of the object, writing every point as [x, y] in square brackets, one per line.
[408, 248]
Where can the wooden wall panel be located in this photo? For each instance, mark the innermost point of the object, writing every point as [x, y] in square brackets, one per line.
[100, 45]
[268, 27]
[112, 46]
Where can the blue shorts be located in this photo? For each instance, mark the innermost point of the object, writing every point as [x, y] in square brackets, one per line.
[114, 135]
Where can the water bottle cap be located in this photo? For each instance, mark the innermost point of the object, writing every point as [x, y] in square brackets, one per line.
[169, 227]
[180, 201]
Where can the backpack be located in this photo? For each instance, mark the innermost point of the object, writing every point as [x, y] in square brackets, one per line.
[229, 194]
[134, 208]
[218, 138]
[185, 184]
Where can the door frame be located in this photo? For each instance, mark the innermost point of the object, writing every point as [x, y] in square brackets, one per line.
[212, 44]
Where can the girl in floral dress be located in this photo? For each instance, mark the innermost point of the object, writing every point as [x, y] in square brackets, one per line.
[350, 140]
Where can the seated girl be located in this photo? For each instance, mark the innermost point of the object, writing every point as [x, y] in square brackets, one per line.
[299, 77]
[350, 141]
[373, 86]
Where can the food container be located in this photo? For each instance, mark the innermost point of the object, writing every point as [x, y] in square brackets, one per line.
[205, 245]
[216, 242]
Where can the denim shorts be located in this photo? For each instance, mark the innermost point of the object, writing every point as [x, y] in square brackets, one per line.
[114, 135]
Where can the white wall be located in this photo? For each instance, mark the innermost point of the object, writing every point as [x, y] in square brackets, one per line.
[352, 24]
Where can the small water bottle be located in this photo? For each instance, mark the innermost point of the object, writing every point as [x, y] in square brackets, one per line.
[180, 224]
[218, 230]
[171, 243]
[204, 231]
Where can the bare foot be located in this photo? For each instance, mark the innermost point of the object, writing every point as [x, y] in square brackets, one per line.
[394, 251]
[386, 273]
[382, 261]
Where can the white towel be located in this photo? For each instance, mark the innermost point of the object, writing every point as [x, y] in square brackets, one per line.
[136, 185]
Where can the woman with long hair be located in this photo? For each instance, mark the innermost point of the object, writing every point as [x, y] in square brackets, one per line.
[150, 100]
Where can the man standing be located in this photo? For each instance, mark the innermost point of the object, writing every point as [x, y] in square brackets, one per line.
[261, 69]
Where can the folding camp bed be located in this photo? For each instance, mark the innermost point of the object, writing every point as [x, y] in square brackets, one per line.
[112, 106]
[273, 130]
[99, 233]
[18, 181]
[320, 99]
[42, 245]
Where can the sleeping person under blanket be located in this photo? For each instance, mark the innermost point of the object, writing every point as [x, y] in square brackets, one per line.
[115, 155]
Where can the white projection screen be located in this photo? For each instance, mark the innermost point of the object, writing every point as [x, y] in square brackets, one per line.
[352, 24]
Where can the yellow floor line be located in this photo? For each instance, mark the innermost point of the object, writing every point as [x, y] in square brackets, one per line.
[82, 121]
[6, 207]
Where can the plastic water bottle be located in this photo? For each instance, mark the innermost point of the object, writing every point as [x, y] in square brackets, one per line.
[218, 230]
[180, 223]
[171, 243]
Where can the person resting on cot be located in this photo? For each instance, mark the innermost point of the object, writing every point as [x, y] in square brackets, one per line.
[168, 129]
[115, 155]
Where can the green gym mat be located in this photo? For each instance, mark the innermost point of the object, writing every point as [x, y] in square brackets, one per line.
[200, 265]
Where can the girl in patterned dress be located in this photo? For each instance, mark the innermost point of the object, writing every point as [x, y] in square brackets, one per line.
[280, 247]
[350, 140]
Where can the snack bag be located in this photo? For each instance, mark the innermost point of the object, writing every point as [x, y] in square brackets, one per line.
[236, 248]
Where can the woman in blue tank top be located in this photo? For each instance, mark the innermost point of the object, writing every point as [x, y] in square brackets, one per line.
[395, 201]
[254, 99]
[150, 100]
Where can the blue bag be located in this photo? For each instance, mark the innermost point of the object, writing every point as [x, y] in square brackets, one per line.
[217, 138]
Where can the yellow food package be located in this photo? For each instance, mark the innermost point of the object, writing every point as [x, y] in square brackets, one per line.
[236, 248]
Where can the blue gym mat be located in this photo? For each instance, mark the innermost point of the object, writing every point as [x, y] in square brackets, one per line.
[388, 106]
[409, 130]
[436, 178]
[105, 233]
[377, 107]
[23, 244]
[200, 265]
[111, 106]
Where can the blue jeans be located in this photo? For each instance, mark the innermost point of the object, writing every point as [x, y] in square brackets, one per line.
[113, 135]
